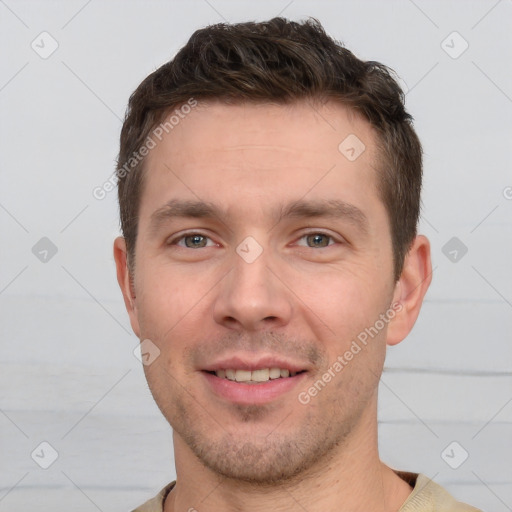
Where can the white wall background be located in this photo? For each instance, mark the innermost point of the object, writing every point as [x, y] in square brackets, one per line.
[67, 372]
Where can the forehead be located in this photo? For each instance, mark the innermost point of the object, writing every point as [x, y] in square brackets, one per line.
[302, 127]
[267, 151]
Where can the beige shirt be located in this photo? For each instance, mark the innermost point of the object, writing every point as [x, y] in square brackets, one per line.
[427, 496]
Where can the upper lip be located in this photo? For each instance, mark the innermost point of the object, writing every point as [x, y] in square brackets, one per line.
[254, 362]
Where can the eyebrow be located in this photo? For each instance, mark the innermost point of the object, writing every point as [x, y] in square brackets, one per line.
[176, 208]
[300, 209]
[330, 208]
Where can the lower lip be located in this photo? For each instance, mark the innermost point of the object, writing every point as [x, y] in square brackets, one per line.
[252, 394]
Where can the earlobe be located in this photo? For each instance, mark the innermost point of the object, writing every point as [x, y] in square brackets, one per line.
[125, 280]
[410, 289]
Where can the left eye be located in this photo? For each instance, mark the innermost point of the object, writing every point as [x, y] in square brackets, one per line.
[317, 240]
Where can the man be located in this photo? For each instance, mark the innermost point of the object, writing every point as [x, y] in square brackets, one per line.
[269, 189]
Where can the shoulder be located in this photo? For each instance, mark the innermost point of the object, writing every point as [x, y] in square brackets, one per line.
[428, 496]
[156, 504]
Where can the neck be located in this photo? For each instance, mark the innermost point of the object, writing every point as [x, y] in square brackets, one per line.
[352, 478]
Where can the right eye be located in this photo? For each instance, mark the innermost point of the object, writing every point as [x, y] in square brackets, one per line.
[191, 240]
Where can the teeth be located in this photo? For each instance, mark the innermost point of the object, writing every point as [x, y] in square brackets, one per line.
[242, 375]
[261, 375]
[275, 373]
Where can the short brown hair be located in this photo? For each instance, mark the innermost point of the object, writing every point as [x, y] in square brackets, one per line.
[278, 61]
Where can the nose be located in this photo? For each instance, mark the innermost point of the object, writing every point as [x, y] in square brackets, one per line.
[252, 297]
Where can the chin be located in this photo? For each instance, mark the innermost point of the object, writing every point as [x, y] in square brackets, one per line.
[267, 462]
[256, 465]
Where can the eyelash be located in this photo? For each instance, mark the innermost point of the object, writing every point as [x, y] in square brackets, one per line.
[181, 237]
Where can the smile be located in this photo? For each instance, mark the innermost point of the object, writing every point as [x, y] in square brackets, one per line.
[255, 376]
[256, 387]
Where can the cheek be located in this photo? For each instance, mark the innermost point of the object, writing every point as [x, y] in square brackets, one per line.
[346, 300]
[165, 299]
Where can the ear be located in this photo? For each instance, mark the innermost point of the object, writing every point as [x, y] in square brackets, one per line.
[410, 290]
[125, 280]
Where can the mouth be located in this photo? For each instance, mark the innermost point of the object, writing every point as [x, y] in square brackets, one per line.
[258, 376]
[253, 384]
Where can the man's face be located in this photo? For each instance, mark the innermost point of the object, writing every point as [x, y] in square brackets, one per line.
[293, 296]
